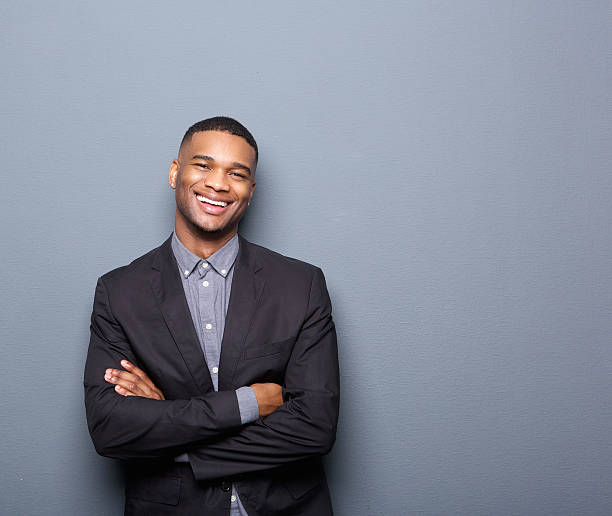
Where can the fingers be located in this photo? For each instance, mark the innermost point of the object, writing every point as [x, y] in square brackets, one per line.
[138, 372]
[124, 392]
[125, 380]
[129, 384]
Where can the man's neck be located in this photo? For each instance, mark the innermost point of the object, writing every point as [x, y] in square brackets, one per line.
[200, 243]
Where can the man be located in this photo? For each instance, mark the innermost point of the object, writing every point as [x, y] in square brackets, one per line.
[212, 369]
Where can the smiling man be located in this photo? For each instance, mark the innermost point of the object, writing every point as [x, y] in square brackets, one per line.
[212, 369]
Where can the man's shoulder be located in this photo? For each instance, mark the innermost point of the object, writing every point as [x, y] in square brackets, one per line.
[282, 263]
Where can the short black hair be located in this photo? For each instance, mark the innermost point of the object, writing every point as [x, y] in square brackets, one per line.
[224, 124]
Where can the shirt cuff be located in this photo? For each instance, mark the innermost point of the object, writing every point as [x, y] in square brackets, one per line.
[247, 405]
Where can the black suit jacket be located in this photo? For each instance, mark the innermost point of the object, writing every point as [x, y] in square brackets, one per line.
[278, 328]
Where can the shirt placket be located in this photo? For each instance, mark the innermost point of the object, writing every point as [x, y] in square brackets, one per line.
[207, 294]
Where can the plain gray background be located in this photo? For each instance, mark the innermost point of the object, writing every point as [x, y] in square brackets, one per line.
[447, 164]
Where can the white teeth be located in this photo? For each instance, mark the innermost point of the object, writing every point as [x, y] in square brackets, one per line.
[210, 201]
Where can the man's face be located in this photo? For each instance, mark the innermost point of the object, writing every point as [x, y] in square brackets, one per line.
[213, 178]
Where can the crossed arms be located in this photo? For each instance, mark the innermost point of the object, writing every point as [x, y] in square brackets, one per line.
[140, 423]
[135, 382]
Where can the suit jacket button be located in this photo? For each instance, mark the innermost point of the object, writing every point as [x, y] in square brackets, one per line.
[226, 486]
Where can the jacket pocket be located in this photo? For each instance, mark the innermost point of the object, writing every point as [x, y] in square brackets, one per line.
[161, 489]
[269, 348]
[302, 483]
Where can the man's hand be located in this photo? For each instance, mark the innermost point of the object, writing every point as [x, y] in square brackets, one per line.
[133, 382]
[269, 397]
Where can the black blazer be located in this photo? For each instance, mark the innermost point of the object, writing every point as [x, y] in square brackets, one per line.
[278, 328]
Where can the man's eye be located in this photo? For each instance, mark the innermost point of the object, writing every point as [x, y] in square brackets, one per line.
[201, 165]
[239, 175]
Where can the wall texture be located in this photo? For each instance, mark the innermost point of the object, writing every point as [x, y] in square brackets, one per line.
[447, 164]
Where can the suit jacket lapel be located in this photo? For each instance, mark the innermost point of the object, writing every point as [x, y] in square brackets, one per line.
[170, 294]
[247, 288]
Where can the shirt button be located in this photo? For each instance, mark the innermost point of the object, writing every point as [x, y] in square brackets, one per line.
[233, 498]
[208, 326]
[223, 271]
[205, 283]
[215, 369]
[186, 272]
[205, 264]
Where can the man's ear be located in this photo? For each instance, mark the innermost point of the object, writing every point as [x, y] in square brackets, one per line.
[172, 175]
[252, 191]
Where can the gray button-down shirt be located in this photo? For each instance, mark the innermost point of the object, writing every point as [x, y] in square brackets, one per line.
[207, 284]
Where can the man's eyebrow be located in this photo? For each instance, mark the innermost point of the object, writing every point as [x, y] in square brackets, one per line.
[204, 157]
[235, 164]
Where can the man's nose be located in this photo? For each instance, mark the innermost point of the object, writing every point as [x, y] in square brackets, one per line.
[217, 180]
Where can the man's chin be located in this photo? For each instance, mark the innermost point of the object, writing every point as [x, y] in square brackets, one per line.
[213, 229]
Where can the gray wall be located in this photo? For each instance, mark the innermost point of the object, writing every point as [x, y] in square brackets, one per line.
[447, 164]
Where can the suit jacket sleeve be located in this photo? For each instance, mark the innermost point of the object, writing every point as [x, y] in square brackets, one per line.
[134, 427]
[305, 425]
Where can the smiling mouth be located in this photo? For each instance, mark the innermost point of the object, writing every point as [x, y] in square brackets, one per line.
[206, 200]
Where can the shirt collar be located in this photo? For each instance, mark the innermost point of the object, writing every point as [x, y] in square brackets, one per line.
[221, 260]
